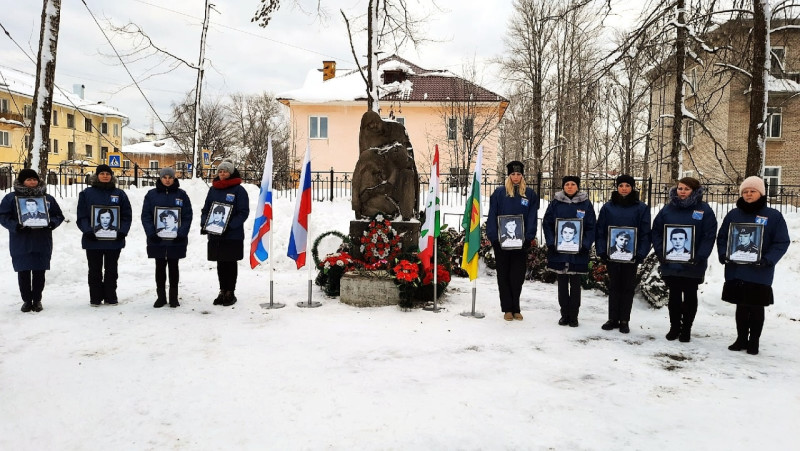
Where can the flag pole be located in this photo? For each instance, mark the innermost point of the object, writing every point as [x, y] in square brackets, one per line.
[309, 303]
[469, 226]
[435, 308]
[271, 275]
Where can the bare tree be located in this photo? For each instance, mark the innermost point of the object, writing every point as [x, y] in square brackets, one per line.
[39, 145]
[256, 118]
[216, 130]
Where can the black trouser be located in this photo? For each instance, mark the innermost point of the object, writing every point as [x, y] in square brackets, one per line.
[510, 276]
[749, 318]
[31, 285]
[227, 272]
[621, 285]
[161, 278]
[569, 295]
[682, 301]
[102, 288]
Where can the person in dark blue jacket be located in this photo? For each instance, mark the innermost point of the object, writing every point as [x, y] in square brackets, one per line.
[167, 232]
[512, 199]
[749, 285]
[623, 210]
[30, 248]
[684, 258]
[102, 252]
[570, 203]
[226, 248]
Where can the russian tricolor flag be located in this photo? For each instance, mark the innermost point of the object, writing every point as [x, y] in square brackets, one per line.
[259, 244]
[298, 240]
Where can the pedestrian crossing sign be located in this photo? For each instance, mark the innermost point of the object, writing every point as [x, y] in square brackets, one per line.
[115, 160]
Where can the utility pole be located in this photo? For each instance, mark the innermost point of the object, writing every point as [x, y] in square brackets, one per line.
[42, 107]
[198, 90]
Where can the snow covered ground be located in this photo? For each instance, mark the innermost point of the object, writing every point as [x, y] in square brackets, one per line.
[339, 377]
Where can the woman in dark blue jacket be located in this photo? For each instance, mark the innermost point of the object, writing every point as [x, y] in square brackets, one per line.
[226, 244]
[571, 203]
[684, 256]
[749, 285]
[96, 203]
[30, 248]
[623, 210]
[167, 236]
[513, 199]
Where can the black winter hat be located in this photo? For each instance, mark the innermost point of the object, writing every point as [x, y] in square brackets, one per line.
[571, 178]
[625, 178]
[103, 168]
[26, 174]
[515, 166]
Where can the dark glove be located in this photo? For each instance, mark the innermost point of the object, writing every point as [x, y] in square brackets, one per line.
[154, 238]
[121, 236]
[723, 260]
[603, 257]
[551, 250]
[203, 231]
[181, 240]
[764, 263]
[661, 260]
[89, 236]
[583, 251]
[639, 259]
[51, 225]
[526, 245]
[23, 229]
[691, 261]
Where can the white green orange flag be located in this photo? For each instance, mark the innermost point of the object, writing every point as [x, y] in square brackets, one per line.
[472, 222]
[430, 228]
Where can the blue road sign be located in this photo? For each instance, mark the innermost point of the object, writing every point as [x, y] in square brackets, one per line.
[114, 161]
[188, 166]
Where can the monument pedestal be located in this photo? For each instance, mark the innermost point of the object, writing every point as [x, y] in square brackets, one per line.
[410, 239]
[368, 289]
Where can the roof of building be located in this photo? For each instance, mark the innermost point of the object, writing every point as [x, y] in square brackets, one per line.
[414, 84]
[21, 83]
[161, 146]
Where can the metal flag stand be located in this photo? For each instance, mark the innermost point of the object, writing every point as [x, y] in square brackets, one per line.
[271, 305]
[434, 308]
[309, 304]
[473, 313]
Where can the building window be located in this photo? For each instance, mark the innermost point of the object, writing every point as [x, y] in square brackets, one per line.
[3, 105]
[116, 129]
[70, 121]
[688, 130]
[70, 150]
[88, 151]
[126, 164]
[4, 139]
[468, 126]
[180, 166]
[103, 153]
[55, 118]
[777, 60]
[772, 175]
[87, 125]
[54, 149]
[318, 127]
[774, 122]
[452, 125]
[153, 164]
[28, 111]
[693, 80]
[104, 128]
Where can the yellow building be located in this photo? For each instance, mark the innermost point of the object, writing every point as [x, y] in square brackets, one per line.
[435, 106]
[81, 131]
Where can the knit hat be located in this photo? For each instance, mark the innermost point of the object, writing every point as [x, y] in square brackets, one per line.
[26, 174]
[625, 178]
[754, 182]
[571, 178]
[691, 182]
[226, 166]
[515, 166]
[103, 168]
[166, 171]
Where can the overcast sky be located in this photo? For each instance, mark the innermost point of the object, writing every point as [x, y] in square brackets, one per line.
[242, 57]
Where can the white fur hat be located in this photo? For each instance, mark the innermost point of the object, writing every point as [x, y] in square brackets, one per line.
[754, 182]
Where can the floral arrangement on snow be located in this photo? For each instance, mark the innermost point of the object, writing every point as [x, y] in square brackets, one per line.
[380, 244]
[406, 274]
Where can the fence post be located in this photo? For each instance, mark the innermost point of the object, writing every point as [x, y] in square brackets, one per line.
[135, 174]
[539, 184]
[331, 184]
[650, 191]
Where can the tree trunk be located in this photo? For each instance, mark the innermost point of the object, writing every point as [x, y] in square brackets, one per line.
[680, 67]
[757, 131]
[39, 144]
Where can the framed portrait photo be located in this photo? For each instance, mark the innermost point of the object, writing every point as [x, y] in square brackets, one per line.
[167, 221]
[745, 241]
[569, 234]
[678, 243]
[32, 211]
[218, 216]
[511, 231]
[622, 243]
[105, 221]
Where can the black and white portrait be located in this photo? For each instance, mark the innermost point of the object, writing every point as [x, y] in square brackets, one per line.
[678, 242]
[218, 218]
[33, 212]
[511, 231]
[568, 235]
[105, 221]
[744, 242]
[167, 221]
[621, 244]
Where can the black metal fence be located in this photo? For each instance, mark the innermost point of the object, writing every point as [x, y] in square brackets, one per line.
[69, 180]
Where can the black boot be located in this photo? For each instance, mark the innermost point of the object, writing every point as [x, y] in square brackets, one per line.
[739, 345]
[160, 302]
[229, 299]
[610, 325]
[752, 346]
[173, 296]
[624, 327]
[220, 296]
[37, 305]
[26, 307]
[563, 321]
[674, 332]
[686, 333]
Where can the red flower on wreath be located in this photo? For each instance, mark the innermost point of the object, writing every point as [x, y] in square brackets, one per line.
[442, 276]
[380, 243]
[405, 271]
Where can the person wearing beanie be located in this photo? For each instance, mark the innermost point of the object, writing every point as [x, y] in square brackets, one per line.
[30, 246]
[683, 238]
[623, 212]
[568, 225]
[226, 244]
[512, 202]
[103, 243]
[748, 283]
[166, 220]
